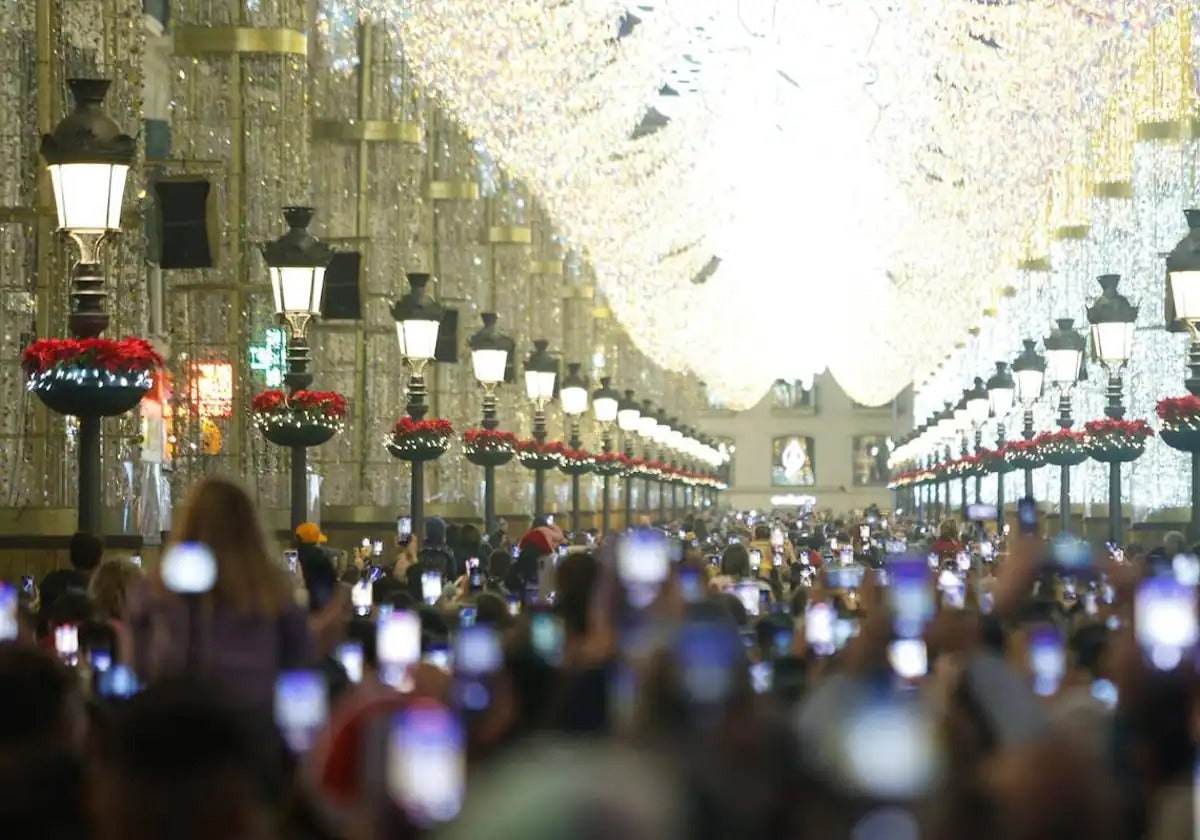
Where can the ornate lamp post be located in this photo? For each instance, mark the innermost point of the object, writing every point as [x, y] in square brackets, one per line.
[1002, 392]
[629, 414]
[1183, 282]
[606, 405]
[662, 433]
[88, 157]
[978, 409]
[1112, 318]
[1029, 371]
[1064, 358]
[647, 428]
[418, 319]
[490, 350]
[962, 423]
[540, 373]
[574, 396]
[296, 264]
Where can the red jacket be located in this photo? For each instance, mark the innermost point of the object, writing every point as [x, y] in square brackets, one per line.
[947, 548]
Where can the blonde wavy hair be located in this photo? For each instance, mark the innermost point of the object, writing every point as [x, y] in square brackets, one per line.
[111, 580]
[219, 513]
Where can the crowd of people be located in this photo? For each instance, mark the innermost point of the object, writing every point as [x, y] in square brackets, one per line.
[726, 674]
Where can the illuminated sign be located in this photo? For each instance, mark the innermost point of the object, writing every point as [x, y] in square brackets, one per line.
[210, 388]
[270, 357]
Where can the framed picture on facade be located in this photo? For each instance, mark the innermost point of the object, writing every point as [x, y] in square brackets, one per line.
[792, 462]
[869, 457]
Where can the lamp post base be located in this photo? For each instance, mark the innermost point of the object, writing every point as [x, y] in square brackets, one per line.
[489, 499]
[299, 482]
[417, 499]
[89, 475]
[575, 504]
[1064, 501]
[1114, 504]
[605, 506]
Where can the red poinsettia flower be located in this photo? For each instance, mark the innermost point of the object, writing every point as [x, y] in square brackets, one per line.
[1179, 411]
[407, 427]
[327, 403]
[1133, 429]
[488, 439]
[126, 355]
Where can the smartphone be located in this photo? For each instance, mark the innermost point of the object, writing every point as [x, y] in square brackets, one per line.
[439, 656]
[291, 559]
[361, 597]
[819, 619]
[117, 682]
[472, 562]
[981, 513]
[691, 585]
[547, 635]
[777, 559]
[477, 656]
[864, 532]
[349, 655]
[366, 542]
[562, 550]
[27, 584]
[467, 616]
[643, 564]
[1164, 613]
[188, 568]
[1027, 516]
[426, 765]
[100, 659]
[66, 643]
[761, 674]
[301, 708]
[747, 592]
[404, 527]
[397, 645]
[476, 581]
[777, 537]
[377, 548]
[908, 658]
[910, 598]
[847, 555]
[136, 560]
[986, 549]
[1047, 660]
[431, 587]
[833, 544]
[9, 624]
[755, 560]
[516, 551]
[707, 653]
[514, 605]
[550, 519]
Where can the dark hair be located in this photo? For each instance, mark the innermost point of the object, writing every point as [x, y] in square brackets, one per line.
[85, 551]
[498, 563]
[735, 561]
[470, 538]
[492, 611]
[1087, 647]
[71, 607]
[575, 580]
[34, 687]
[762, 531]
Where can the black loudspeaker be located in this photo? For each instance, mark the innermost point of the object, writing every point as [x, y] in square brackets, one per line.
[343, 295]
[447, 342]
[183, 217]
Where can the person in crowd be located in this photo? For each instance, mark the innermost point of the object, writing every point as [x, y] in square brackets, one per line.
[316, 564]
[947, 545]
[110, 586]
[764, 544]
[246, 628]
[84, 553]
[435, 555]
[498, 564]
[537, 544]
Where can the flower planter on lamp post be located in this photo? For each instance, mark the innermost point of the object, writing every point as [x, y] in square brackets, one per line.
[296, 264]
[1112, 318]
[628, 417]
[88, 158]
[1064, 360]
[490, 352]
[418, 318]
[541, 371]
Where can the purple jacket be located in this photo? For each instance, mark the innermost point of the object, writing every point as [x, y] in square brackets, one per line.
[242, 653]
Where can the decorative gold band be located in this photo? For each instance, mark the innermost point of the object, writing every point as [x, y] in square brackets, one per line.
[504, 235]
[1071, 232]
[1161, 131]
[990, 312]
[550, 268]
[369, 131]
[1113, 189]
[1034, 264]
[601, 312]
[196, 40]
[453, 190]
[580, 293]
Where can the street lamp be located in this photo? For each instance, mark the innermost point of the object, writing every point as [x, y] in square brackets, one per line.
[574, 396]
[606, 406]
[490, 350]
[296, 264]
[662, 433]
[1064, 359]
[1029, 371]
[1183, 283]
[1002, 392]
[978, 409]
[88, 157]
[418, 318]
[540, 373]
[1113, 319]
[647, 427]
[628, 420]
[962, 423]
